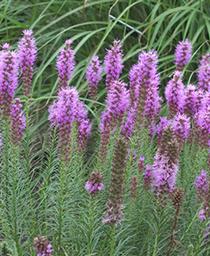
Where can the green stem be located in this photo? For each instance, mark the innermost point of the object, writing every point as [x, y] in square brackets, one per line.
[61, 201]
[113, 241]
[15, 169]
[91, 207]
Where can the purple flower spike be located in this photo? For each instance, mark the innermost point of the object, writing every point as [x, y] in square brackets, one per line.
[128, 126]
[8, 78]
[113, 63]
[191, 100]
[27, 53]
[202, 215]
[135, 78]
[175, 94]
[94, 183]
[204, 73]
[181, 127]
[202, 125]
[65, 64]
[93, 75]
[149, 100]
[118, 99]
[18, 121]
[202, 184]
[66, 111]
[183, 54]
[164, 174]
[42, 246]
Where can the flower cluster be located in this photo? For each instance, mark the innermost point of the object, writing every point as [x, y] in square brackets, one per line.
[114, 207]
[166, 163]
[42, 246]
[175, 94]
[27, 53]
[117, 103]
[94, 183]
[113, 63]
[93, 75]
[149, 101]
[66, 112]
[204, 73]
[18, 121]
[8, 78]
[65, 64]
[202, 186]
[183, 54]
[202, 125]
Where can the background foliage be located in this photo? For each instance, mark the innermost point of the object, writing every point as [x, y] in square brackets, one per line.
[93, 25]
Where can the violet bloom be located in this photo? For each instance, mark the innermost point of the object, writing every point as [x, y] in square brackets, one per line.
[27, 53]
[202, 125]
[149, 102]
[202, 215]
[42, 246]
[93, 75]
[191, 100]
[164, 174]
[65, 64]
[117, 100]
[94, 183]
[17, 121]
[135, 79]
[181, 127]
[113, 63]
[204, 73]
[84, 126]
[202, 184]
[161, 126]
[65, 113]
[175, 94]
[183, 54]
[128, 126]
[8, 78]
[166, 163]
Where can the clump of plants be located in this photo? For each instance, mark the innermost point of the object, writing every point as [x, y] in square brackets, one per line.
[147, 180]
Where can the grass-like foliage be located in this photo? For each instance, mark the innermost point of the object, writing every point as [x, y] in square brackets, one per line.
[104, 139]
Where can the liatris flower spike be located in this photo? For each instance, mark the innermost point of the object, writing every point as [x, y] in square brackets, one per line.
[93, 75]
[166, 163]
[113, 63]
[17, 121]
[149, 100]
[66, 111]
[114, 205]
[202, 126]
[27, 53]
[191, 100]
[183, 54]
[8, 78]
[94, 183]
[175, 94]
[204, 73]
[181, 127]
[42, 246]
[65, 64]
[202, 184]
